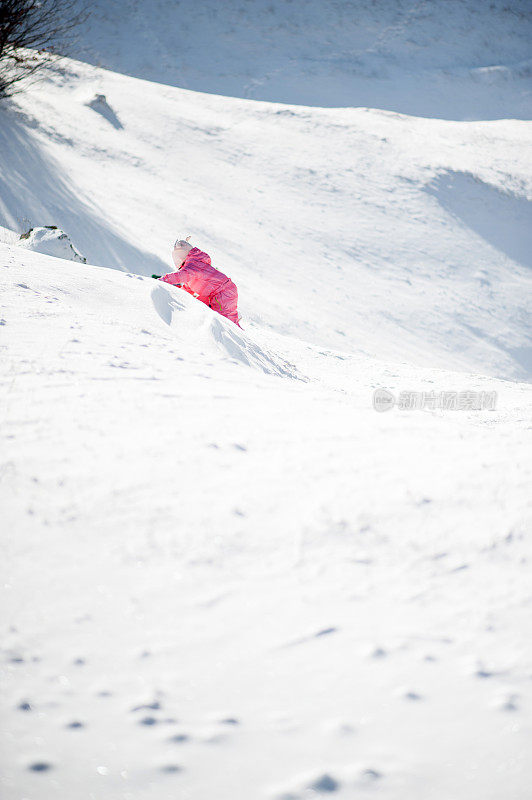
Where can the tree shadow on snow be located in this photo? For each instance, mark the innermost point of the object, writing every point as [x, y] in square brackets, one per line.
[34, 191]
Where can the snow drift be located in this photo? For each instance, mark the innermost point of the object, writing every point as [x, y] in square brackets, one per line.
[52, 241]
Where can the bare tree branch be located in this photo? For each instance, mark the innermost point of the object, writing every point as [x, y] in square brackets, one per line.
[30, 32]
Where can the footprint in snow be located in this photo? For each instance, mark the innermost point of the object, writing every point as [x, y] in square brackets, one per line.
[179, 738]
[339, 728]
[148, 721]
[171, 768]
[484, 671]
[321, 784]
[40, 766]
[325, 632]
[412, 696]
[324, 784]
[317, 635]
[214, 737]
[508, 702]
[370, 775]
[154, 706]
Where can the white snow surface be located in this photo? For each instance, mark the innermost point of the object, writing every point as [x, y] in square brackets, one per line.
[228, 576]
[224, 574]
[452, 59]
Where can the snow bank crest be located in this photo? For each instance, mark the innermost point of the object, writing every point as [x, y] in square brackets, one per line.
[240, 347]
[51, 241]
[201, 326]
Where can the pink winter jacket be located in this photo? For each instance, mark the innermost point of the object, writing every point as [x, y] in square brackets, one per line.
[198, 277]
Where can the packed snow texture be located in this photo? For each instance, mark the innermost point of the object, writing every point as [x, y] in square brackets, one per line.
[224, 574]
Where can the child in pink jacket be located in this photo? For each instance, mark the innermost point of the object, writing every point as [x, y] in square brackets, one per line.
[196, 275]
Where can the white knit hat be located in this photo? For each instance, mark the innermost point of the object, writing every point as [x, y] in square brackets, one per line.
[181, 250]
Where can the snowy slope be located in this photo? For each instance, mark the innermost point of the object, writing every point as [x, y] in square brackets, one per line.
[452, 59]
[344, 227]
[227, 581]
[224, 574]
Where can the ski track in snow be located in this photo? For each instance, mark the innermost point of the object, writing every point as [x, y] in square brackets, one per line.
[224, 574]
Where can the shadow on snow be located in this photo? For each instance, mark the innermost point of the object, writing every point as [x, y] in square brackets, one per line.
[34, 191]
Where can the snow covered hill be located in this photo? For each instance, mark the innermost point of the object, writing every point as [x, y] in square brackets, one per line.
[362, 230]
[225, 573]
[453, 59]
